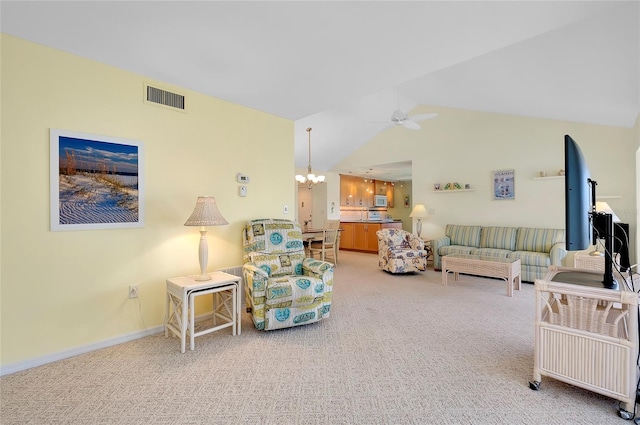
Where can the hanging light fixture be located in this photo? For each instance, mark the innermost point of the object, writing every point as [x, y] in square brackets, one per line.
[311, 178]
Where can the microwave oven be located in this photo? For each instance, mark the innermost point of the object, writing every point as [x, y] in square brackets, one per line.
[379, 201]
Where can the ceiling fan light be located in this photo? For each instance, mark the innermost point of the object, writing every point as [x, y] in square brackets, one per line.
[398, 115]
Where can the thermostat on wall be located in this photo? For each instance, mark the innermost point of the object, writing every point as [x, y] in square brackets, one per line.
[242, 178]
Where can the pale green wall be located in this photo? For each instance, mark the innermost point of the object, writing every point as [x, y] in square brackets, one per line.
[465, 146]
[62, 290]
[399, 212]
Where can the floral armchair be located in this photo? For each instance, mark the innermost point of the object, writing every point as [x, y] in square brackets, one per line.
[283, 287]
[400, 251]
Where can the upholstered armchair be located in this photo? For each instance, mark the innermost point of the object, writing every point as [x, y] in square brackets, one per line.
[400, 251]
[283, 287]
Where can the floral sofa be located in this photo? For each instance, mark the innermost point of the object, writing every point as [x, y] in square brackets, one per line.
[283, 287]
[536, 248]
[400, 251]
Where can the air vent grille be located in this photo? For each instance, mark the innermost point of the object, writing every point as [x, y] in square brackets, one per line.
[163, 97]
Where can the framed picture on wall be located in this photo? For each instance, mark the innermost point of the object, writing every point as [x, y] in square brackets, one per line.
[96, 182]
[503, 185]
[406, 201]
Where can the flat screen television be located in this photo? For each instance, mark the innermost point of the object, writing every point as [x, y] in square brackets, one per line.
[577, 197]
[580, 214]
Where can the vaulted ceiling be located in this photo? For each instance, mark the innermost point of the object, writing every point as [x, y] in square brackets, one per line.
[336, 66]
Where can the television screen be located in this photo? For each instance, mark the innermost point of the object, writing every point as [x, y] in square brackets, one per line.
[577, 197]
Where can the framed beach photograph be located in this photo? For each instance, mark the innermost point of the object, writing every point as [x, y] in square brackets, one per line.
[503, 185]
[97, 182]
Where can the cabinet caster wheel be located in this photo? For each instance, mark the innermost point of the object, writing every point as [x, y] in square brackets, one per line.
[534, 385]
[627, 416]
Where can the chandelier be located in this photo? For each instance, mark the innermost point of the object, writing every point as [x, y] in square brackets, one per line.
[311, 178]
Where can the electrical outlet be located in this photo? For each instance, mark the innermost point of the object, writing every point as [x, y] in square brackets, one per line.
[133, 291]
[285, 209]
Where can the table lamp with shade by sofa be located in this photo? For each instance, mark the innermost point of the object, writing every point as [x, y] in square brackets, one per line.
[205, 214]
[419, 211]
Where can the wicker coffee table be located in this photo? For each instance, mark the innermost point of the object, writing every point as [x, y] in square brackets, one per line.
[504, 268]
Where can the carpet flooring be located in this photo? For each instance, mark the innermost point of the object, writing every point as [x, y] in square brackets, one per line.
[397, 349]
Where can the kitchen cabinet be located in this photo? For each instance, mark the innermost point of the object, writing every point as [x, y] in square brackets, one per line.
[389, 194]
[356, 191]
[346, 191]
[346, 236]
[364, 237]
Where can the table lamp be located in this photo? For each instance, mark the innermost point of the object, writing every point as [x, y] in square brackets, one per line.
[419, 211]
[205, 214]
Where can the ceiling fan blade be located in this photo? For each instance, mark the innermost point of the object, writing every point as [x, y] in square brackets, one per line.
[411, 125]
[422, 117]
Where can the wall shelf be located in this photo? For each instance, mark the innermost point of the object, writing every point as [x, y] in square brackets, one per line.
[453, 190]
[549, 178]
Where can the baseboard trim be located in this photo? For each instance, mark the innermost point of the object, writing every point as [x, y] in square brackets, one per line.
[50, 358]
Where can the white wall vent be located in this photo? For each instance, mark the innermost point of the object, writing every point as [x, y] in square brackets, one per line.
[162, 97]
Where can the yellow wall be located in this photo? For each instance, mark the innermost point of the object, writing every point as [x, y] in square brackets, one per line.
[465, 146]
[61, 290]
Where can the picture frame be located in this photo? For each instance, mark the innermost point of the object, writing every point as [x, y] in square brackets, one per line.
[96, 182]
[406, 201]
[503, 185]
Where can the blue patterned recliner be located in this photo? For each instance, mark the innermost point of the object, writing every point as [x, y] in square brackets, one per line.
[400, 251]
[283, 287]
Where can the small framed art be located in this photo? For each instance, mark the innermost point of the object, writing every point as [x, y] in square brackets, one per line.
[503, 185]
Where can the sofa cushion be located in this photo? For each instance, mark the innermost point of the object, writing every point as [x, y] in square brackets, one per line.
[454, 249]
[529, 258]
[491, 252]
[463, 235]
[538, 240]
[498, 237]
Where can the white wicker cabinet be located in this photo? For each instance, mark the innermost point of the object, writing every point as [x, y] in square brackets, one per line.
[587, 336]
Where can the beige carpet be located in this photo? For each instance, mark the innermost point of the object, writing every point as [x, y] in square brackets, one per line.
[396, 350]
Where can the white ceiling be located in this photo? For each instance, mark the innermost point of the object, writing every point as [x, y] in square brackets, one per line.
[336, 66]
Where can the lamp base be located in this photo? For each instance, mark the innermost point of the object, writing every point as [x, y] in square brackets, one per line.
[202, 277]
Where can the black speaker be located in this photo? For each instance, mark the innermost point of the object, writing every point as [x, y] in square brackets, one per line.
[621, 244]
[620, 238]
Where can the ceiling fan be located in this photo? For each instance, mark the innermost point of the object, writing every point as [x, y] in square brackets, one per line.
[401, 118]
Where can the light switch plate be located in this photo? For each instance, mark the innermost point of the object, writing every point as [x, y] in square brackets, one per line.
[243, 191]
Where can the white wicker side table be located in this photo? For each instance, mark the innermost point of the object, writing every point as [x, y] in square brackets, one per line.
[181, 293]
